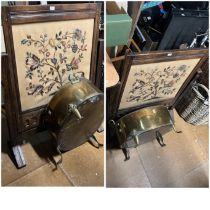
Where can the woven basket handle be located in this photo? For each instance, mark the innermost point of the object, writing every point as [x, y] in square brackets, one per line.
[195, 89]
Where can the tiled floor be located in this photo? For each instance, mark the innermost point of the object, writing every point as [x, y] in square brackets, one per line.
[83, 166]
[182, 163]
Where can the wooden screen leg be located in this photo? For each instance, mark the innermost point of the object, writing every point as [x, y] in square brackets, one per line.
[18, 155]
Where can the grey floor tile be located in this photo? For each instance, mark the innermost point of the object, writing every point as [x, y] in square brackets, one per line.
[182, 154]
[201, 133]
[122, 173]
[183, 162]
[198, 177]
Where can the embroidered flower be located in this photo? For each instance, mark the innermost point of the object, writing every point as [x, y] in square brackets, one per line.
[54, 60]
[62, 58]
[182, 67]
[47, 54]
[50, 62]
[52, 42]
[63, 43]
[175, 75]
[77, 34]
[74, 48]
[69, 67]
[29, 74]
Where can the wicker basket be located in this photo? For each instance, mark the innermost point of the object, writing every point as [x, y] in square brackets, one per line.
[194, 106]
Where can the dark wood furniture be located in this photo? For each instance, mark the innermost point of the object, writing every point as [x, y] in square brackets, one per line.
[132, 59]
[22, 121]
[100, 65]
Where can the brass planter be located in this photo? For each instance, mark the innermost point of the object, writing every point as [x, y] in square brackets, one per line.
[76, 112]
[131, 126]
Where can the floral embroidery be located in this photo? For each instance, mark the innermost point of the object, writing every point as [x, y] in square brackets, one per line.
[156, 83]
[52, 63]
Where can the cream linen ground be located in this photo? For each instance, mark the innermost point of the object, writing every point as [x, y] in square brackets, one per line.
[41, 49]
[156, 81]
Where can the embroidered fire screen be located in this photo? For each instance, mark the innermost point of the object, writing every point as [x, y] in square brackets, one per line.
[154, 82]
[48, 54]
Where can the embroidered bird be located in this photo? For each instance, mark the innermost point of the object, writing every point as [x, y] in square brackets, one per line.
[75, 63]
[38, 89]
[33, 62]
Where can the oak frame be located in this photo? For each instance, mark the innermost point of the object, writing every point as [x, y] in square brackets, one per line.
[155, 57]
[22, 121]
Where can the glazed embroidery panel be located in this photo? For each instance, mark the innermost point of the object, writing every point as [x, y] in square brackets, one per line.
[48, 55]
[154, 82]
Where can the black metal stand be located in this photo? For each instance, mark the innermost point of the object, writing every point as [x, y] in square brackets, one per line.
[100, 129]
[160, 139]
[126, 152]
[61, 156]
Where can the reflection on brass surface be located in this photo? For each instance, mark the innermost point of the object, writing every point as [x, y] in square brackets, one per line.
[76, 112]
[132, 125]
